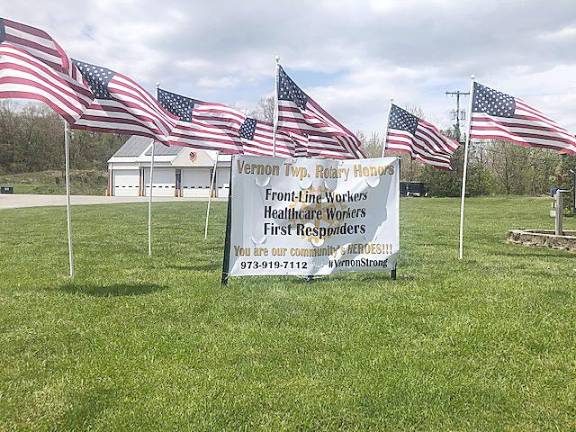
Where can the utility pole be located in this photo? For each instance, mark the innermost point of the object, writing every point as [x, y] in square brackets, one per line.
[457, 93]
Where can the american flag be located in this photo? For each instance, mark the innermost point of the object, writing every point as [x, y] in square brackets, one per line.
[120, 105]
[498, 116]
[302, 144]
[205, 125]
[258, 140]
[33, 66]
[300, 114]
[419, 138]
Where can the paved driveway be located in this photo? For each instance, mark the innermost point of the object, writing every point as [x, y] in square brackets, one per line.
[19, 201]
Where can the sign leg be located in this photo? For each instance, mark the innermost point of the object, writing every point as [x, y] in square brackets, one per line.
[226, 259]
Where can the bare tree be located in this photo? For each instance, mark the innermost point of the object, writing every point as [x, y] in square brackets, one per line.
[264, 110]
[371, 145]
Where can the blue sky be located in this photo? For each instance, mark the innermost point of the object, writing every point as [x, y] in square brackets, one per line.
[352, 56]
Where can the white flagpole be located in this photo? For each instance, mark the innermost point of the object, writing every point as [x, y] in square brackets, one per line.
[212, 188]
[151, 183]
[68, 207]
[466, 144]
[275, 120]
[387, 126]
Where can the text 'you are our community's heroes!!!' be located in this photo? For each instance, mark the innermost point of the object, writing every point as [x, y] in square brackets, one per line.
[307, 217]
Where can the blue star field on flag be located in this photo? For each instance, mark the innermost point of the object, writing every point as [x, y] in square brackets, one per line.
[402, 120]
[180, 106]
[97, 78]
[248, 129]
[492, 102]
[288, 90]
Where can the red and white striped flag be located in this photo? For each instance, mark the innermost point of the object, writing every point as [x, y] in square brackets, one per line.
[300, 114]
[302, 143]
[33, 66]
[122, 106]
[205, 125]
[215, 126]
[258, 140]
[419, 138]
[318, 146]
[498, 116]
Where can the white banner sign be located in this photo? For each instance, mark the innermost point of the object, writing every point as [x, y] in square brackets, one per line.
[312, 217]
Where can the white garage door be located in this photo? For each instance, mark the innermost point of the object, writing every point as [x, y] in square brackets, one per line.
[125, 182]
[196, 182]
[164, 181]
[223, 182]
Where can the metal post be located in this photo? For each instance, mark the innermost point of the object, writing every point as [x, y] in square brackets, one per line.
[212, 181]
[68, 206]
[275, 120]
[461, 248]
[109, 187]
[151, 183]
[559, 213]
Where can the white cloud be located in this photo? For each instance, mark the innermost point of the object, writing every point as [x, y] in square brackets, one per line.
[351, 55]
[566, 33]
[220, 83]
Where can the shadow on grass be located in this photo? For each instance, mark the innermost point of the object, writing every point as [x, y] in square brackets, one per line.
[384, 277]
[209, 267]
[370, 277]
[542, 253]
[86, 408]
[436, 244]
[114, 290]
[541, 273]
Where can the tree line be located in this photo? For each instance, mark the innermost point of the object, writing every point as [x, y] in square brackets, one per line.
[494, 168]
[32, 139]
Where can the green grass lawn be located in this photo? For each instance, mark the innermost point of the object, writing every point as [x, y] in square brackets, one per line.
[143, 344]
[82, 182]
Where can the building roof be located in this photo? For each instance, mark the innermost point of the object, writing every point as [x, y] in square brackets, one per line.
[133, 147]
[163, 150]
[137, 150]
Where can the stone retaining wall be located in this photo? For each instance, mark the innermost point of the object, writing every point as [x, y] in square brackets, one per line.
[544, 238]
